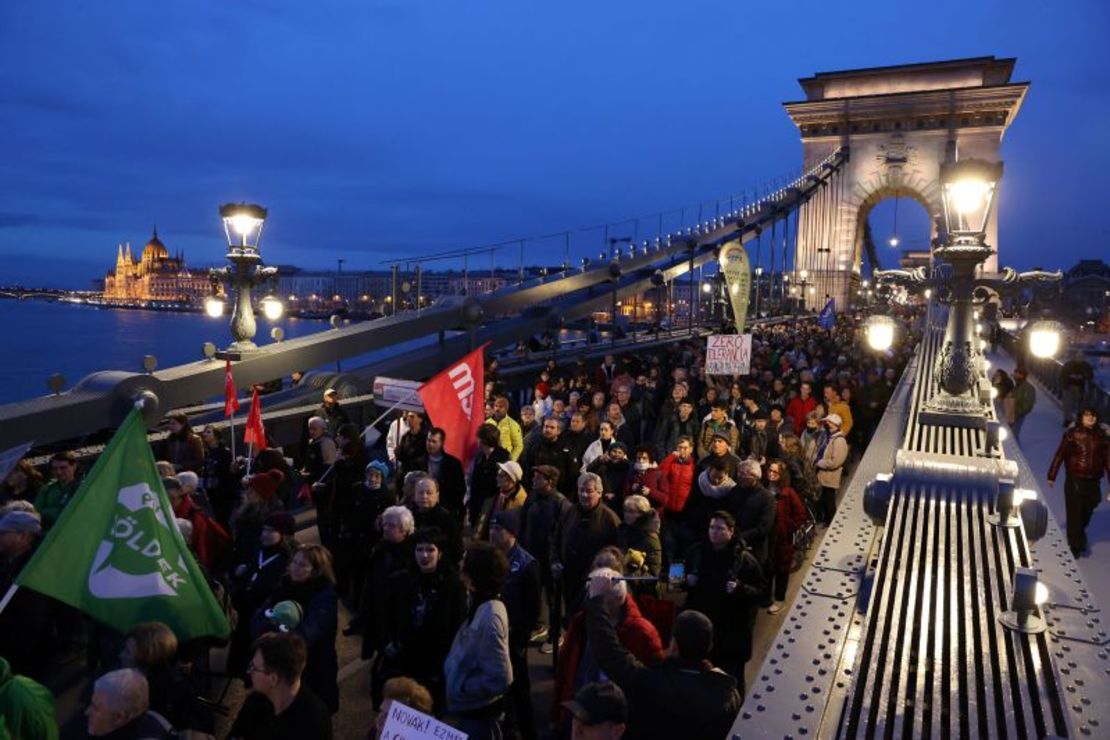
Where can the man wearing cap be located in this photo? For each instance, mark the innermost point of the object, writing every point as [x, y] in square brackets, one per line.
[510, 495]
[720, 451]
[830, 459]
[332, 412]
[682, 696]
[550, 450]
[26, 621]
[521, 595]
[598, 711]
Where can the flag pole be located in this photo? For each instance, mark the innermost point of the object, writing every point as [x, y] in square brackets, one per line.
[8, 596]
[250, 456]
[231, 432]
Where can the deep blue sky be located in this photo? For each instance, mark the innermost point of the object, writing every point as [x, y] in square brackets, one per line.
[374, 129]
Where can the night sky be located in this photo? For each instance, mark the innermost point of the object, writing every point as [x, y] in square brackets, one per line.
[377, 129]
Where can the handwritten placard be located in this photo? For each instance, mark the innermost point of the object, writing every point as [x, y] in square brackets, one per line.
[728, 354]
[405, 723]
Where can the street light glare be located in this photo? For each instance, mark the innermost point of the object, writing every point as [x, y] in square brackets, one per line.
[1044, 341]
[967, 195]
[880, 333]
[272, 308]
[214, 307]
[244, 224]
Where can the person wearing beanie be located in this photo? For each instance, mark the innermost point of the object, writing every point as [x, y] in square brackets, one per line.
[25, 624]
[510, 494]
[681, 696]
[259, 500]
[255, 579]
[358, 533]
[521, 595]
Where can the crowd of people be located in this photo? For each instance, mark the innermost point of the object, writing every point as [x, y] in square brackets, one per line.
[634, 519]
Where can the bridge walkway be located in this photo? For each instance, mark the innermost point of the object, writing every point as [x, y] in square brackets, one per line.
[1040, 436]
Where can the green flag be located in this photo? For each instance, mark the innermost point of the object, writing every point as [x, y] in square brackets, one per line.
[115, 552]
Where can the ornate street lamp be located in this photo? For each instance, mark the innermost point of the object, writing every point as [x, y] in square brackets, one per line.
[243, 226]
[967, 188]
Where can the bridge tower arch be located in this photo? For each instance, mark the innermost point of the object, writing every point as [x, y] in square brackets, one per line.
[900, 124]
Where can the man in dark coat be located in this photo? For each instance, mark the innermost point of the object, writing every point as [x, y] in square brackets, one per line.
[427, 511]
[754, 509]
[580, 533]
[541, 513]
[483, 478]
[550, 450]
[1085, 452]
[522, 600]
[446, 469]
[25, 625]
[683, 696]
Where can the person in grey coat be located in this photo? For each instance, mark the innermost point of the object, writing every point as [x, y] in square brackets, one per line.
[477, 669]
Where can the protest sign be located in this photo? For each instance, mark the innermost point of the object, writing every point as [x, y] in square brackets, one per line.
[728, 354]
[405, 723]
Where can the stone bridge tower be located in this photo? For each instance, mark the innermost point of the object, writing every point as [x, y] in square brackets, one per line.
[900, 123]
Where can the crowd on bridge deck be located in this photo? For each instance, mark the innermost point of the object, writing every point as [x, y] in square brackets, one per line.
[634, 519]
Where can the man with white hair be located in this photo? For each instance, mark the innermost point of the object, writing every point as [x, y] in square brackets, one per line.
[118, 707]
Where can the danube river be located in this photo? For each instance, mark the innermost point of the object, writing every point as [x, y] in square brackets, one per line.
[43, 338]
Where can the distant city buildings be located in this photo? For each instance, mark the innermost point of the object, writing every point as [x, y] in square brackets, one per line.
[1085, 293]
[155, 276]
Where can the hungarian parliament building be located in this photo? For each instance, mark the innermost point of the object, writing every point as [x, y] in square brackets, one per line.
[155, 276]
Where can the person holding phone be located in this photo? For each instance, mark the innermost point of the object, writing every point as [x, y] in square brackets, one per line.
[725, 582]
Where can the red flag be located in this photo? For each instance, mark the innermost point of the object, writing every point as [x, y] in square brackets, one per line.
[231, 396]
[255, 433]
[453, 400]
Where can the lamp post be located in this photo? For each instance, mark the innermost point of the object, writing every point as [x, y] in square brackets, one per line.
[243, 226]
[967, 188]
[758, 288]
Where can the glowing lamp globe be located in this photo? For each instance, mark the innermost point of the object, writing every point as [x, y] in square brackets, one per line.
[243, 225]
[272, 308]
[1044, 339]
[214, 307]
[880, 333]
[968, 188]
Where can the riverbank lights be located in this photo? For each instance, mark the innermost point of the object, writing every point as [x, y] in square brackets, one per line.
[880, 333]
[272, 308]
[967, 189]
[1026, 599]
[243, 225]
[1044, 339]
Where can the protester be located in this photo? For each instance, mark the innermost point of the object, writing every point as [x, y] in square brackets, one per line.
[58, 491]
[405, 691]
[599, 712]
[478, 668]
[1076, 375]
[509, 430]
[151, 648]
[1085, 453]
[1025, 398]
[638, 537]
[681, 696]
[183, 448]
[579, 533]
[280, 706]
[790, 516]
[541, 513]
[119, 708]
[26, 622]
[331, 412]
[427, 511]
[422, 609]
[357, 515]
[256, 579]
[522, 602]
[392, 554]
[486, 469]
[258, 502]
[310, 582]
[830, 459]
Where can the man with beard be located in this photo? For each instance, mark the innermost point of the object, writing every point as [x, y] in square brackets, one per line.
[550, 450]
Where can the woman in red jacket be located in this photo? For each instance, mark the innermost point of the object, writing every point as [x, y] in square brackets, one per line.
[790, 515]
[677, 472]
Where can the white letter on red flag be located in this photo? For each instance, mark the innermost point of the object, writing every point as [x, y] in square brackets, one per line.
[453, 400]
